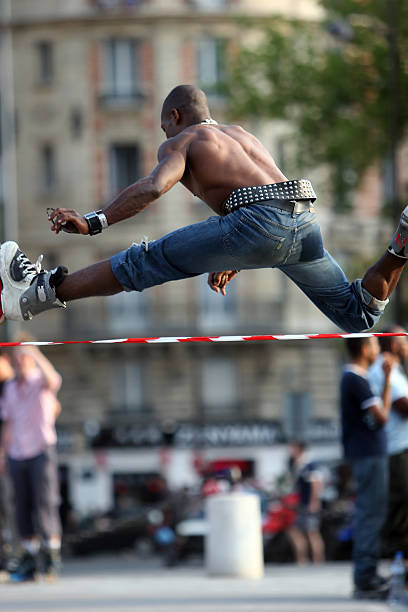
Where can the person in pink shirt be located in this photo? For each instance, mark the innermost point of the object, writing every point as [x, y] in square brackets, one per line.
[8, 538]
[29, 408]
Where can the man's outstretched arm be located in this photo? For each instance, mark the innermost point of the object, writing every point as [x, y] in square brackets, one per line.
[133, 199]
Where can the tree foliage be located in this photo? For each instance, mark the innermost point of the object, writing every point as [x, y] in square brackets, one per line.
[335, 81]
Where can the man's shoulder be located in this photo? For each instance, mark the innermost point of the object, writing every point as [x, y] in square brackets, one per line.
[351, 374]
[354, 383]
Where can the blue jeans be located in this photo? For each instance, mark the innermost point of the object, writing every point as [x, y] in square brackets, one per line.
[36, 494]
[371, 480]
[256, 236]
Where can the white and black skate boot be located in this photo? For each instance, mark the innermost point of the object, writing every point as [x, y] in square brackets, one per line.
[26, 289]
[399, 242]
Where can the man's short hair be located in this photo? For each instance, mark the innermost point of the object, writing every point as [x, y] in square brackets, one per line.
[301, 444]
[387, 341]
[354, 346]
[189, 99]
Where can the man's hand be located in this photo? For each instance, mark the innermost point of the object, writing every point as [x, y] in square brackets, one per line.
[219, 280]
[67, 220]
[388, 362]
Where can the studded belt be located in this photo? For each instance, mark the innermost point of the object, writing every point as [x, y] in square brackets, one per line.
[295, 196]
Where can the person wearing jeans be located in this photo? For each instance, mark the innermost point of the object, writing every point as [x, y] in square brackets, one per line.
[29, 409]
[262, 220]
[395, 531]
[363, 416]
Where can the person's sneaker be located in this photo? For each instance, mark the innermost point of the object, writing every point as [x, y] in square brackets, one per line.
[25, 569]
[26, 289]
[399, 242]
[374, 587]
[51, 564]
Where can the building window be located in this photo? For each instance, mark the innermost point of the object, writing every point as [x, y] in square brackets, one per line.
[48, 168]
[128, 311]
[128, 394]
[211, 64]
[219, 387]
[121, 71]
[296, 415]
[45, 55]
[217, 312]
[125, 166]
[76, 122]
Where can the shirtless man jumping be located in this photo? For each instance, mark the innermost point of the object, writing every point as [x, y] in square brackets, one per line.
[262, 221]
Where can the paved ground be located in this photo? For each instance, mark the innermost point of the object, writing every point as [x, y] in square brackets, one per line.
[122, 584]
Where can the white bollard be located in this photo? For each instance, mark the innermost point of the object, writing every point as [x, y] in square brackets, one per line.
[233, 544]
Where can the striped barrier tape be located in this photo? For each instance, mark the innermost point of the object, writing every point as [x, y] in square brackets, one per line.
[182, 339]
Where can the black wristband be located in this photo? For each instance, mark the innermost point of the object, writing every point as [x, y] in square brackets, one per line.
[94, 223]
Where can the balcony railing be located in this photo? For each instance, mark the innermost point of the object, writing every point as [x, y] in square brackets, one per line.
[109, 5]
[209, 5]
[119, 101]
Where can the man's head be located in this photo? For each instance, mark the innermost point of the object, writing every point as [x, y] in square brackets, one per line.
[185, 105]
[22, 357]
[297, 448]
[23, 361]
[396, 345]
[364, 349]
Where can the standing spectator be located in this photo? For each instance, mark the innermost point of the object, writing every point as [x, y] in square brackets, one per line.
[6, 373]
[29, 409]
[395, 530]
[305, 532]
[363, 416]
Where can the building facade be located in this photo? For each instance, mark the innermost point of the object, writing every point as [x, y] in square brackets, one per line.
[89, 78]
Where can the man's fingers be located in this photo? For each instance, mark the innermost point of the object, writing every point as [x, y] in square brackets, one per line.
[219, 280]
[211, 282]
[217, 276]
[67, 220]
[57, 217]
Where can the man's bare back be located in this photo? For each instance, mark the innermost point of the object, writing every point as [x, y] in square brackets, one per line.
[220, 158]
[209, 160]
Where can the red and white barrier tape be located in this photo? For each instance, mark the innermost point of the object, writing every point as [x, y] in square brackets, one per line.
[181, 339]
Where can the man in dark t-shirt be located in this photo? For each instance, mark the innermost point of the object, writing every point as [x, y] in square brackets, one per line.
[363, 416]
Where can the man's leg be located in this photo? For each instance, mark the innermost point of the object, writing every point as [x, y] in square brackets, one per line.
[357, 306]
[371, 479]
[396, 524]
[316, 546]
[46, 498]
[189, 251]
[26, 566]
[299, 543]
[381, 279]
[95, 280]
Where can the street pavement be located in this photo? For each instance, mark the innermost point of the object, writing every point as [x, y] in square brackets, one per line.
[124, 583]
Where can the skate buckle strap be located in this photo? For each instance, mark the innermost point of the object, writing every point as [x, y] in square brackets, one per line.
[294, 196]
[40, 296]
